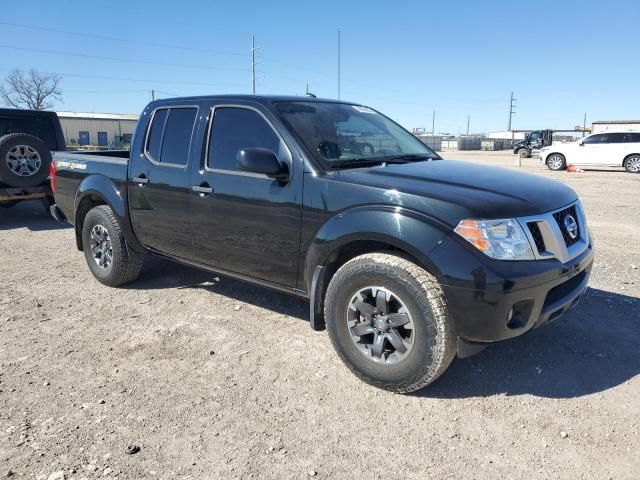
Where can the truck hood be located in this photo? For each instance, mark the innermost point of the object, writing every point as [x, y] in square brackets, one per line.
[451, 190]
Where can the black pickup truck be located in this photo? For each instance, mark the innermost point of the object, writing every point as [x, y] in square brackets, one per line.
[407, 259]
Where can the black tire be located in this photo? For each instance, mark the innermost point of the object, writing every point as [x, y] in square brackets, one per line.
[524, 153]
[632, 163]
[556, 162]
[30, 178]
[433, 346]
[125, 264]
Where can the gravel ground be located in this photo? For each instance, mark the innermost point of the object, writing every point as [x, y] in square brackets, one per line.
[189, 375]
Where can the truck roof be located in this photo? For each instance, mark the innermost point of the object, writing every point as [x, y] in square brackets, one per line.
[256, 98]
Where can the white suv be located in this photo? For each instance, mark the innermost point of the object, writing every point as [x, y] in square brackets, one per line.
[613, 149]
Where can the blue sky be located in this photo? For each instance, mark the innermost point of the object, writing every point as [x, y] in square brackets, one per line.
[561, 59]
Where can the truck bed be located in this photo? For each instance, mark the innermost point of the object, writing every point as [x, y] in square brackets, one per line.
[73, 167]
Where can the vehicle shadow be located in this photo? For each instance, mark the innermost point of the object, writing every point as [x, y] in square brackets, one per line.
[29, 214]
[593, 348]
[154, 276]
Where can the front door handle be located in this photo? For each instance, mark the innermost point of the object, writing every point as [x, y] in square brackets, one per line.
[141, 180]
[203, 189]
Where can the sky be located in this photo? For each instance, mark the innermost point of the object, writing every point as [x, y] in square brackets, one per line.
[462, 59]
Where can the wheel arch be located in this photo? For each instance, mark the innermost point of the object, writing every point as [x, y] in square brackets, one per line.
[624, 160]
[408, 234]
[98, 190]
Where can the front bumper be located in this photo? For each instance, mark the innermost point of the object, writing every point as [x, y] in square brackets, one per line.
[490, 307]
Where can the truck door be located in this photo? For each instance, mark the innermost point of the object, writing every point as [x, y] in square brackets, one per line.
[244, 222]
[159, 181]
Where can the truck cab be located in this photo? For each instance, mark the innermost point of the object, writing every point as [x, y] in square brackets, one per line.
[534, 140]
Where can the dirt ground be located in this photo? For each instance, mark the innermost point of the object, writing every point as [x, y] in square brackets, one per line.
[188, 375]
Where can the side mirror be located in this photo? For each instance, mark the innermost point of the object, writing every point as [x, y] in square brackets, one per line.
[581, 144]
[261, 160]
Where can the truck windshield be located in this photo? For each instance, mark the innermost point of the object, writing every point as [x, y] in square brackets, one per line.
[341, 135]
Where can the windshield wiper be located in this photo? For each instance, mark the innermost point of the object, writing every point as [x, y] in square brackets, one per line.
[407, 157]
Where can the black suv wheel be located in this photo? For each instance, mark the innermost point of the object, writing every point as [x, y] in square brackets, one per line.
[387, 319]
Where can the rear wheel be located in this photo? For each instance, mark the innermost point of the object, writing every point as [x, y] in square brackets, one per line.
[632, 163]
[556, 162]
[524, 153]
[24, 160]
[387, 319]
[106, 251]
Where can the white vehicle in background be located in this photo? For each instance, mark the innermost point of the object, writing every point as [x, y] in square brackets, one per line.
[611, 149]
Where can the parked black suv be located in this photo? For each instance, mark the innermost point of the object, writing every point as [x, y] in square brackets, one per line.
[26, 139]
[407, 258]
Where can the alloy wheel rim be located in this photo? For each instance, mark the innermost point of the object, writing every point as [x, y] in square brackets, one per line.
[555, 162]
[380, 325]
[101, 247]
[23, 160]
[633, 164]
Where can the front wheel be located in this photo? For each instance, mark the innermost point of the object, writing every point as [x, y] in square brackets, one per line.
[109, 258]
[556, 162]
[632, 163]
[387, 319]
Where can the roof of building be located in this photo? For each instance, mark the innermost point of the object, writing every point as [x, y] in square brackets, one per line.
[603, 122]
[99, 116]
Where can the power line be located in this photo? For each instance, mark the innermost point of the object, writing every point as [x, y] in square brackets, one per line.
[116, 39]
[129, 60]
[143, 80]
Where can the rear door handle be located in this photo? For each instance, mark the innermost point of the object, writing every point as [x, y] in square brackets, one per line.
[203, 190]
[141, 180]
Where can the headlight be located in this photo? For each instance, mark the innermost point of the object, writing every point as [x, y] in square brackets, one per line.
[499, 239]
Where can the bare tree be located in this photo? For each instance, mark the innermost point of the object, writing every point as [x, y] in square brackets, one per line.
[31, 90]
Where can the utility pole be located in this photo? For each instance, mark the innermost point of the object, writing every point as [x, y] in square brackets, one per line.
[468, 121]
[253, 64]
[339, 55]
[512, 110]
[433, 128]
[153, 94]
[584, 124]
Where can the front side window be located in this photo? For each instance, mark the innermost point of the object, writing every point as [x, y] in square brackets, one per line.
[169, 136]
[338, 134]
[235, 128]
[593, 139]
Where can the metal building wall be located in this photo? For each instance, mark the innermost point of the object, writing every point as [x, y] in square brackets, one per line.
[71, 127]
[598, 127]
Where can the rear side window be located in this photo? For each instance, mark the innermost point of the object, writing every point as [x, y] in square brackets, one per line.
[170, 134]
[236, 128]
[154, 137]
[632, 137]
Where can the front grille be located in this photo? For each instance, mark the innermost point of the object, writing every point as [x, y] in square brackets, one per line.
[537, 236]
[560, 217]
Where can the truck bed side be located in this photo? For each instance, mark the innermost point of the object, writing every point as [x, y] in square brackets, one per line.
[84, 180]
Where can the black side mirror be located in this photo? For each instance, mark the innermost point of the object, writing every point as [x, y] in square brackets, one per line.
[261, 160]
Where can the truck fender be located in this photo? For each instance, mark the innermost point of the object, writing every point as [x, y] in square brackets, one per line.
[96, 190]
[406, 230]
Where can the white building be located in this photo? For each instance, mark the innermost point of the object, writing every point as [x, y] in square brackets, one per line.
[109, 130]
[609, 125]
